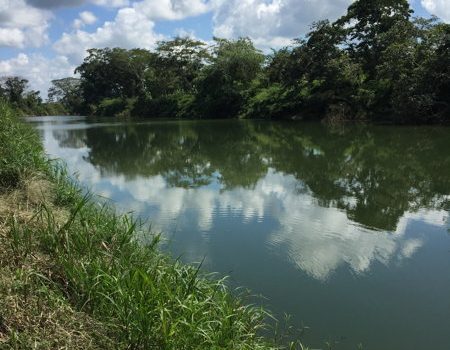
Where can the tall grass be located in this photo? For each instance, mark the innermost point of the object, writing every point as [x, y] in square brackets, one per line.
[147, 300]
[94, 261]
[20, 149]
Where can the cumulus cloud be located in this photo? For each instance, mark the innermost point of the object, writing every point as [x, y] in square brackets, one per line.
[88, 17]
[439, 8]
[85, 18]
[129, 29]
[272, 23]
[11, 37]
[37, 69]
[171, 9]
[132, 27]
[7, 66]
[22, 25]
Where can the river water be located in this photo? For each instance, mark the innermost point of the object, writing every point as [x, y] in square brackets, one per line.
[344, 228]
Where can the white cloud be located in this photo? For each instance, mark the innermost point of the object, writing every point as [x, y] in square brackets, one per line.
[11, 37]
[22, 25]
[85, 18]
[272, 23]
[439, 8]
[7, 67]
[171, 9]
[182, 32]
[37, 69]
[88, 17]
[130, 29]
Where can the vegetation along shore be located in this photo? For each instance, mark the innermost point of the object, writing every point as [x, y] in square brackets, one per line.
[376, 63]
[74, 275]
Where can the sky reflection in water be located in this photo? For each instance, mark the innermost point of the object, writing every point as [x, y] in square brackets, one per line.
[260, 221]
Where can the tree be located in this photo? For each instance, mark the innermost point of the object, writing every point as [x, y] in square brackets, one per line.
[314, 74]
[113, 73]
[67, 92]
[414, 73]
[13, 88]
[223, 83]
[179, 62]
[438, 69]
[365, 23]
[282, 66]
[322, 46]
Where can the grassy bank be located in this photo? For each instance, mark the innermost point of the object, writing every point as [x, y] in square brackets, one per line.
[72, 274]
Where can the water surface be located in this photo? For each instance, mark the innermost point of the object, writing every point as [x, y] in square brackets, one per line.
[347, 229]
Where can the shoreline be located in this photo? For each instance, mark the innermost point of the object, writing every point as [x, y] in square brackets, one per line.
[74, 276]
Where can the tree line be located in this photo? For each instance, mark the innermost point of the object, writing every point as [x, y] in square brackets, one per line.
[16, 91]
[377, 62]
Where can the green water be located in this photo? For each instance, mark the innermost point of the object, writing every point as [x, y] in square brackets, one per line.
[346, 229]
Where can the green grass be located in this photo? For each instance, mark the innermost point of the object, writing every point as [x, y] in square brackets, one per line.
[60, 250]
[21, 152]
[147, 300]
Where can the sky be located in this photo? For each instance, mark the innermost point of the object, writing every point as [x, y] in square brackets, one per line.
[42, 40]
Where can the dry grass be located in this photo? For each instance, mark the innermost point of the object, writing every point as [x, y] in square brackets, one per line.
[34, 314]
[35, 317]
[23, 200]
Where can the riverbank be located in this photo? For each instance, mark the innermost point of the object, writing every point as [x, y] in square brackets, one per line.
[73, 275]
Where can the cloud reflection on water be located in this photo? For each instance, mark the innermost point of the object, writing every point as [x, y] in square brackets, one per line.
[313, 238]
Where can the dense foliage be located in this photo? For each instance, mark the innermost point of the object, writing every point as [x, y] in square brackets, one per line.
[374, 63]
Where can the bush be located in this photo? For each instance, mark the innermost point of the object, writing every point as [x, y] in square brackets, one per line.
[115, 107]
[274, 101]
[178, 105]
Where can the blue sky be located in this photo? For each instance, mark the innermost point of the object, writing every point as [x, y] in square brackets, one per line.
[43, 40]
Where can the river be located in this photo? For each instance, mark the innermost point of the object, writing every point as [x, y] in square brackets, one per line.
[345, 228]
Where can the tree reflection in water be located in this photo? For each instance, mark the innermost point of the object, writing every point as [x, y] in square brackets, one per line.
[375, 173]
[345, 222]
